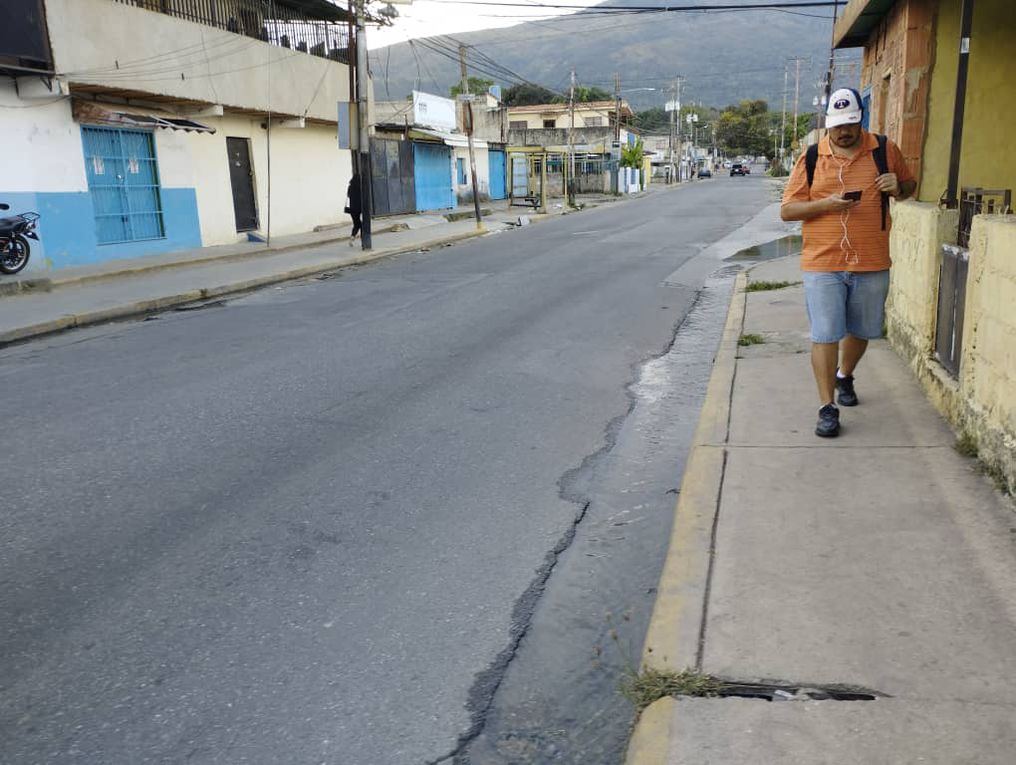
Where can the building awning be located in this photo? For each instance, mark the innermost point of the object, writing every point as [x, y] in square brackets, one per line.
[859, 18]
[92, 113]
[457, 140]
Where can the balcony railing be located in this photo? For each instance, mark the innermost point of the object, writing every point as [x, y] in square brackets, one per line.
[317, 27]
[976, 201]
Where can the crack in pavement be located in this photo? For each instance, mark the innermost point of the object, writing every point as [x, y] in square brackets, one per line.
[486, 684]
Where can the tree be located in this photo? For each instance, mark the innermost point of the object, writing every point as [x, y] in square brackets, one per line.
[745, 128]
[632, 155]
[652, 120]
[477, 85]
[584, 94]
[524, 94]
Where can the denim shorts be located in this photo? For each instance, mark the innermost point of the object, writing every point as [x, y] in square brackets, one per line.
[845, 303]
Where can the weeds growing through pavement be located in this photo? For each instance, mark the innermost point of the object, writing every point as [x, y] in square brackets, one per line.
[750, 339]
[766, 286]
[644, 687]
[966, 445]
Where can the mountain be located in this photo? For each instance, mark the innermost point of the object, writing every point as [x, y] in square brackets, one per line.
[724, 56]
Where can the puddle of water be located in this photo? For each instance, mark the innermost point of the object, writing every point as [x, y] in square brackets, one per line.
[778, 248]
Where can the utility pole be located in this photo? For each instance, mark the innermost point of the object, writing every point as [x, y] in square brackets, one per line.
[467, 112]
[363, 166]
[571, 141]
[616, 175]
[617, 106]
[674, 107]
[827, 91]
[797, 95]
[783, 119]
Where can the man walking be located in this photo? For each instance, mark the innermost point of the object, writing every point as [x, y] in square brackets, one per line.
[840, 190]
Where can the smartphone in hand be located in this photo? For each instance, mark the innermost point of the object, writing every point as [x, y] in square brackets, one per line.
[854, 196]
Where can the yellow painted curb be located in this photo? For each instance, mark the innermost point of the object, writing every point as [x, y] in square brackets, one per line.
[672, 640]
[650, 742]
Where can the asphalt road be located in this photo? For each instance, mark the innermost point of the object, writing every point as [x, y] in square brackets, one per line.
[340, 521]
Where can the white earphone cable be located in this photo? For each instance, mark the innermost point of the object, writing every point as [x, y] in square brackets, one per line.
[851, 255]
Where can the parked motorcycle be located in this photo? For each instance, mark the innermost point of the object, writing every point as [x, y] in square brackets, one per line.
[14, 235]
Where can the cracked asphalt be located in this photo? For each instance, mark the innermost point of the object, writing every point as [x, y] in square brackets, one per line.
[410, 514]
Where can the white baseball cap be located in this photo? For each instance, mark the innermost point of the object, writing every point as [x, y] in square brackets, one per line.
[844, 108]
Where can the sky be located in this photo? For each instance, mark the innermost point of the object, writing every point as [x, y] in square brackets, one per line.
[425, 18]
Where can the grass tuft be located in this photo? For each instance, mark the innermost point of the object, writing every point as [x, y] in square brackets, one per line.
[766, 286]
[966, 445]
[750, 339]
[645, 687]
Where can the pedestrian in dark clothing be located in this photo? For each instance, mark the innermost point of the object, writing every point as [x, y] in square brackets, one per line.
[353, 205]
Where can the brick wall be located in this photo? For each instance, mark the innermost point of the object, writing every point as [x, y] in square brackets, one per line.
[897, 67]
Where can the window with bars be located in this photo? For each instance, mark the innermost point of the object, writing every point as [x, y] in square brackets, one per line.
[123, 178]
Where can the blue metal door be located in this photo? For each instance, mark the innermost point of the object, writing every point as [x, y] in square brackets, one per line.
[123, 178]
[432, 171]
[498, 189]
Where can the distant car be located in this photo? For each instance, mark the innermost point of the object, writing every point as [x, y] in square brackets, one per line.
[738, 169]
[705, 172]
[727, 164]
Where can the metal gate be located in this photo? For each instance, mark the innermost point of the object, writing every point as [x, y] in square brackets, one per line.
[498, 188]
[123, 178]
[392, 184]
[952, 292]
[432, 171]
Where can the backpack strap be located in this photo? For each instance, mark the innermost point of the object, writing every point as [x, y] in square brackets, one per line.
[882, 165]
[810, 160]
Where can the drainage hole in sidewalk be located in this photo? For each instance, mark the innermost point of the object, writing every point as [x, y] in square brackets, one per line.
[648, 685]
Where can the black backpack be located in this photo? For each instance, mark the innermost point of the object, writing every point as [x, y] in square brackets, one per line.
[881, 164]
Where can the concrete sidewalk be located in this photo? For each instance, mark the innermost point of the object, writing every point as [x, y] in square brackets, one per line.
[75, 297]
[880, 561]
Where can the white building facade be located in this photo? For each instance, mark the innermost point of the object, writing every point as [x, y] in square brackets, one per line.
[146, 126]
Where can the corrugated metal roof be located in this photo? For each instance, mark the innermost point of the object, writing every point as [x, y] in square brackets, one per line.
[449, 139]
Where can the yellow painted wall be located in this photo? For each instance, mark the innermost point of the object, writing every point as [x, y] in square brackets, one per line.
[982, 402]
[988, 368]
[990, 110]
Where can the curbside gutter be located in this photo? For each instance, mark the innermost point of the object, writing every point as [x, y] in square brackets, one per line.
[139, 307]
[673, 640]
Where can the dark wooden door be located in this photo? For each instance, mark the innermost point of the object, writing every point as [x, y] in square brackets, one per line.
[241, 178]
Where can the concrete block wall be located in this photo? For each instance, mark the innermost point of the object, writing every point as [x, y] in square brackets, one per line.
[988, 368]
[982, 402]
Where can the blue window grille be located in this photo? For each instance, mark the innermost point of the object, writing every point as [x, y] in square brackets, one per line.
[123, 178]
[460, 166]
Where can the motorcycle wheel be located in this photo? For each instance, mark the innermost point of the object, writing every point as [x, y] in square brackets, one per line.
[14, 256]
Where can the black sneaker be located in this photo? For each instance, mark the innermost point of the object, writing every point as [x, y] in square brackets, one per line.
[828, 422]
[845, 389]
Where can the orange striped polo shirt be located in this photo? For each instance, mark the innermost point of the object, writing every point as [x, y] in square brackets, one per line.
[852, 240]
